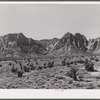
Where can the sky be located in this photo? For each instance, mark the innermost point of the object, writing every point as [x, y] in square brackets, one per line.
[46, 21]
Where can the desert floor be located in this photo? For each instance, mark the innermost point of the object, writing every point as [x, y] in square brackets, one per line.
[49, 78]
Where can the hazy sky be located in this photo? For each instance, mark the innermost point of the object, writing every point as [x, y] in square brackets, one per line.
[39, 21]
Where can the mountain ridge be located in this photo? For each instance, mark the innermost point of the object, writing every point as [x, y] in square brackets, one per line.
[17, 44]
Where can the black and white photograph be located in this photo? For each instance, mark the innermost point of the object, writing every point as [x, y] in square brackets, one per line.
[49, 46]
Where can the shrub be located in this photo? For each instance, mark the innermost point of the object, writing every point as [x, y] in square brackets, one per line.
[63, 63]
[36, 63]
[91, 86]
[68, 64]
[32, 67]
[86, 62]
[72, 73]
[20, 73]
[92, 58]
[96, 60]
[13, 69]
[71, 62]
[89, 65]
[39, 67]
[45, 65]
[98, 85]
[10, 63]
[0, 65]
[75, 62]
[26, 69]
[81, 61]
[50, 64]
[90, 68]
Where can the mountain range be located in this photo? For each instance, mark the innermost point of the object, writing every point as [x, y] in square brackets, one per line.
[18, 45]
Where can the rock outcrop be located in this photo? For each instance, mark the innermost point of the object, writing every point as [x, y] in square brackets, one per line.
[18, 45]
[70, 44]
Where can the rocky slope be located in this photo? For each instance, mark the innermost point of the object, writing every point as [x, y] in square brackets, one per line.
[94, 45]
[70, 44]
[49, 43]
[16, 45]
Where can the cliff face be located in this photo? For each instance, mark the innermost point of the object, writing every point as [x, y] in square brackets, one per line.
[70, 44]
[17, 45]
[94, 45]
[81, 41]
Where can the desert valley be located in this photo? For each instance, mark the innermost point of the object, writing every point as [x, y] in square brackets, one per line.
[71, 62]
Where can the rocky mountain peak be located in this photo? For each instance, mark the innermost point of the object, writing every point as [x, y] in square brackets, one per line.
[67, 38]
[71, 43]
[81, 41]
[68, 35]
[17, 43]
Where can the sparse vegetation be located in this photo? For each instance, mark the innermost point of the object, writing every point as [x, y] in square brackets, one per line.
[51, 64]
[72, 73]
[14, 69]
[64, 62]
[88, 65]
[20, 73]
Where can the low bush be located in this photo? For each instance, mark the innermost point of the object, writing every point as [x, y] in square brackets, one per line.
[96, 60]
[89, 65]
[32, 67]
[51, 64]
[13, 69]
[63, 63]
[26, 69]
[0, 65]
[72, 73]
[20, 73]
[39, 67]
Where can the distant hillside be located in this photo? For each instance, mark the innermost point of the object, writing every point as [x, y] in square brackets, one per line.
[17, 45]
